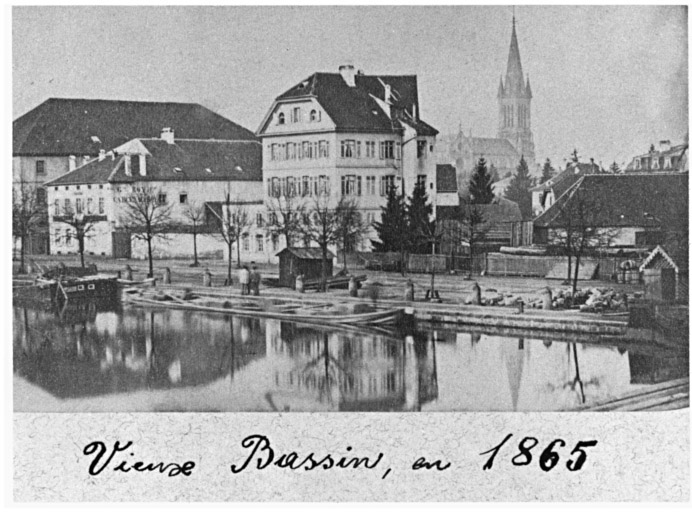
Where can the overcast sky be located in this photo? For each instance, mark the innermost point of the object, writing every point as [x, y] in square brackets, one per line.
[606, 80]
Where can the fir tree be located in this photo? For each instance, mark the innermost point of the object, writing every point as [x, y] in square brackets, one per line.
[481, 185]
[419, 214]
[548, 171]
[519, 189]
[614, 168]
[393, 229]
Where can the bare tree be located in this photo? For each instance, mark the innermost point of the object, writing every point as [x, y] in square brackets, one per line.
[351, 228]
[432, 233]
[285, 216]
[580, 229]
[28, 216]
[321, 226]
[146, 214]
[469, 227]
[234, 220]
[194, 213]
[82, 224]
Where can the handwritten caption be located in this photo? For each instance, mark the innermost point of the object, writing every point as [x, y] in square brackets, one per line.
[262, 455]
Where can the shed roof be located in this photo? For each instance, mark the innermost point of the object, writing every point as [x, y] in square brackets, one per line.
[446, 178]
[306, 253]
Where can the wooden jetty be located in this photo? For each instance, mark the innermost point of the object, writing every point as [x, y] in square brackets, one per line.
[674, 394]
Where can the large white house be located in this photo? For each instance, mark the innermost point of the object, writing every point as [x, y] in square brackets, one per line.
[347, 134]
[181, 173]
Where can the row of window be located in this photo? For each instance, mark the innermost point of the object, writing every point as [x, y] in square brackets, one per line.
[389, 150]
[522, 116]
[80, 206]
[315, 116]
[655, 163]
[351, 185]
[79, 187]
[299, 150]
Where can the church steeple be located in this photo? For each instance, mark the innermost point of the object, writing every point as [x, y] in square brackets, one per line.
[514, 102]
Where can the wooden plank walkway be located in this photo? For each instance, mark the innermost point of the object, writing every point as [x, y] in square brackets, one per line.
[674, 394]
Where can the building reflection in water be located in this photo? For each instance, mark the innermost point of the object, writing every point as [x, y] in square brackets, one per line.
[180, 360]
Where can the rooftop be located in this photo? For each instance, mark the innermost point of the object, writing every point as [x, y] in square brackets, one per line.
[62, 127]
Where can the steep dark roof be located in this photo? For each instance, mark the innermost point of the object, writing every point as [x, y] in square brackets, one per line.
[564, 180]
[191, 157]
[446, 180]
[500, 211]
[625, 199]
[63, 127]
[353, 108]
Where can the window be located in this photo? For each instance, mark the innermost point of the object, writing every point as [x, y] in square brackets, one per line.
[259, 220]
[246, 242]
[162, 198]
[348, 148]
[102, 206]
[290, 186]
[90, 206]
[370, 149]
[386, 183]
[78, 205]
[56, 206]
[667, 163]
[282, 118]
[291, 151]
[276, 188]
[420, 180]
[305, 189]
[273, 219]
[68, 237]
[370, 185]
[387, 150]
[274, 153]
[183, 198]
[57, 236]
[275, 242]
[259, 243]
[305, 153]
[324, 149]
[314, 116]
[295, 115]
[40, 167]
[41, 196]
[134, 159]
[421, 148]
[351, 185]
[323, 186]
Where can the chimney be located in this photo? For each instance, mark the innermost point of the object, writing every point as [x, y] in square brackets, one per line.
[415, 112]
[85, 159]
[665, 145]
[168, 135]
[348, 73]
[388, 94]
[128, 165]
[142, 165]
[102, 154]
[73, 163]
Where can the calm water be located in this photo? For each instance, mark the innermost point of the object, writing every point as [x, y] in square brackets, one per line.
[133, 359]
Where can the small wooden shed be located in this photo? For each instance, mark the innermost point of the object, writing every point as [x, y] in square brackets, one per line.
[294, 261]
[665, 279]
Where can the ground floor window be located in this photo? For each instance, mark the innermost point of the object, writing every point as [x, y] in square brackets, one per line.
[246, 242]
[259, 243]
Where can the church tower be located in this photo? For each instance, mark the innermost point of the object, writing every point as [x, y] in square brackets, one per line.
[514, 102]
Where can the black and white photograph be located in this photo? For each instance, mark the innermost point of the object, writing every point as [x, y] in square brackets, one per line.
[254, 224]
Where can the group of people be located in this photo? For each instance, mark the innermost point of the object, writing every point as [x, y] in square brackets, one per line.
[249, 280]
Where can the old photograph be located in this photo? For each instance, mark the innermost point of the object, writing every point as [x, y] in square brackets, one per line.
[350, 209]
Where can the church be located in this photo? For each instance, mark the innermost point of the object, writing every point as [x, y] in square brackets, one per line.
[514, 137]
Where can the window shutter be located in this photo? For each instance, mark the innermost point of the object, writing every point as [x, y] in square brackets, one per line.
[359, 181]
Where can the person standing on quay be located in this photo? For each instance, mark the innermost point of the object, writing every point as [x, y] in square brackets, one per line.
[244, 279]
[255, 279]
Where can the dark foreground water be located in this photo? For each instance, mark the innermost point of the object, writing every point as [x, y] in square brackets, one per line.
[86, 359]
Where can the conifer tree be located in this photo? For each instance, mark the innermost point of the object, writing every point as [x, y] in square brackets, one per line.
[614, 168]
[548, 171]
[519, 189]
[393, 229]
[481, 184]
[419, 218]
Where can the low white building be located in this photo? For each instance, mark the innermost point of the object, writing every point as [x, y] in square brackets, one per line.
[183, 174]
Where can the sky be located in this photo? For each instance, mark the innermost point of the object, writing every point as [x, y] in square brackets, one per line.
[608, 81]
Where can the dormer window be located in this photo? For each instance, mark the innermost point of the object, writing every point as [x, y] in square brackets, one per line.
[282, 118]
[637, 164]
[667, 163]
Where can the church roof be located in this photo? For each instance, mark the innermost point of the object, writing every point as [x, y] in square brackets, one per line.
[514, 78]
[492, 146]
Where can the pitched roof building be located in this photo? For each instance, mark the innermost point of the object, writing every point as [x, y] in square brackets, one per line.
[643, 209]
[544, 195]
[348, 134]
[666, 158]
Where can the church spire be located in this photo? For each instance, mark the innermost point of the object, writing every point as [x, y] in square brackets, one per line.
[514, 79]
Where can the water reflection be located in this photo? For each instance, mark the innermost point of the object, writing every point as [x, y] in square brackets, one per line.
[109, 359]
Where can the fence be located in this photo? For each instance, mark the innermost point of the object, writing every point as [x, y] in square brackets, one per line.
[538, 266]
